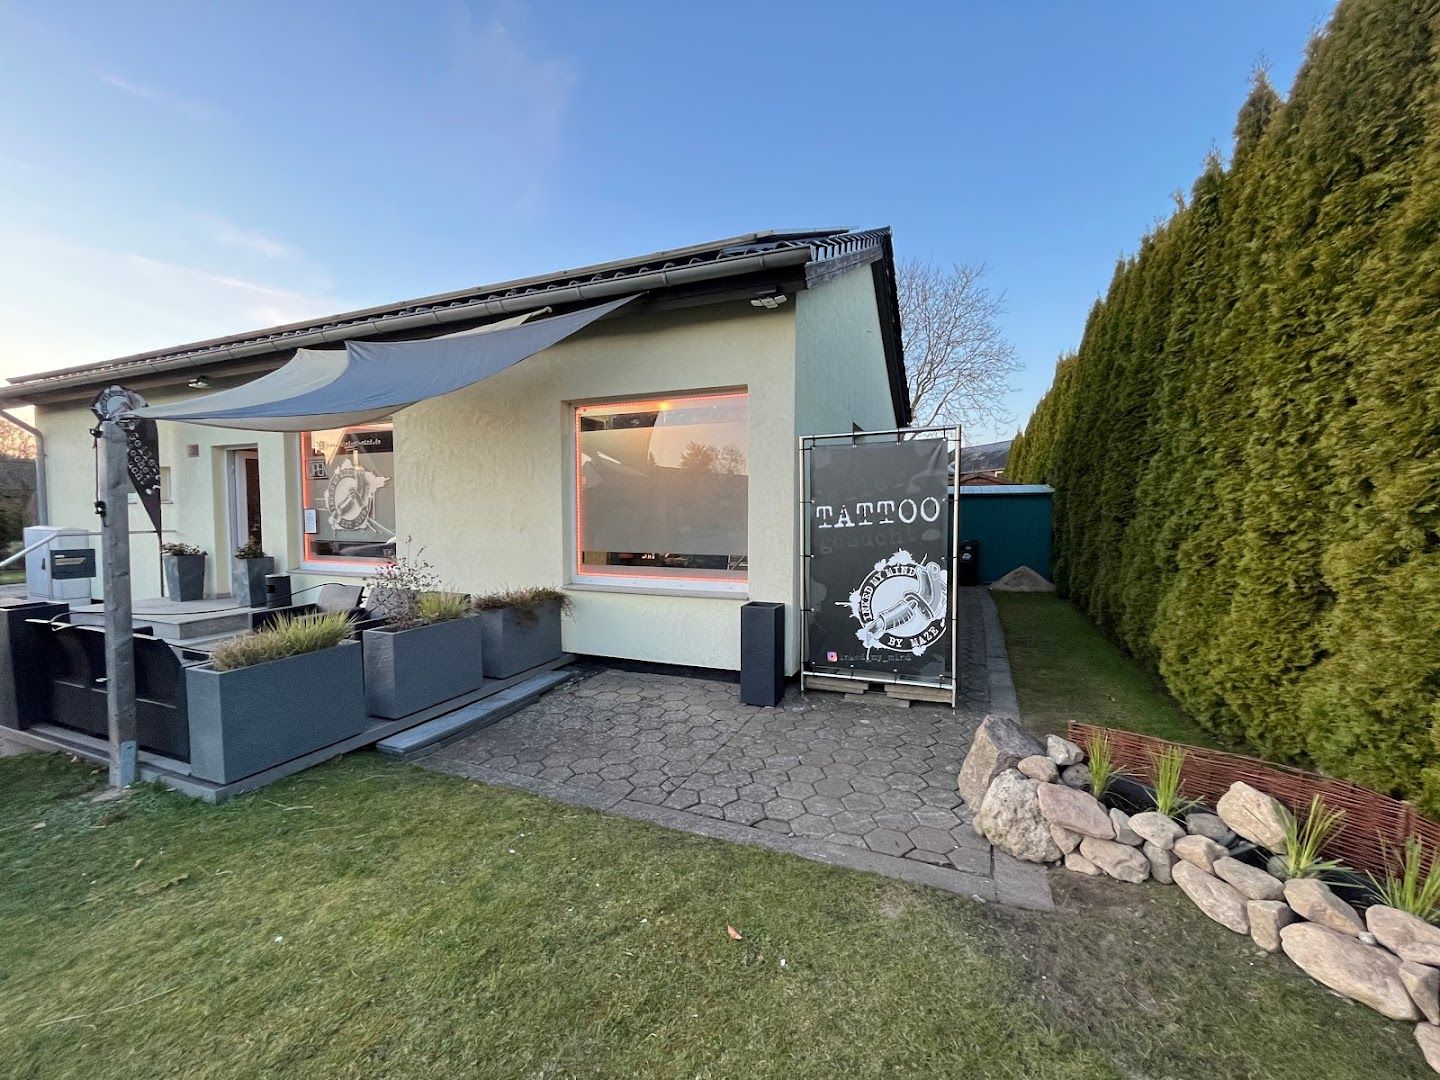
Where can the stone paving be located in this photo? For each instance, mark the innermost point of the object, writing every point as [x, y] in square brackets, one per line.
[853, 780]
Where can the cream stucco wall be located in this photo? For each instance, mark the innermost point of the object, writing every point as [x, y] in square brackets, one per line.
[484, 476]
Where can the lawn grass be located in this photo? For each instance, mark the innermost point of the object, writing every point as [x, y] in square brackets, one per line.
[373, 919]
[1064, 670]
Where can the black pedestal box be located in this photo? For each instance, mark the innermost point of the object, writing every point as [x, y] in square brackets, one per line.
[762, 653]
[967, 570]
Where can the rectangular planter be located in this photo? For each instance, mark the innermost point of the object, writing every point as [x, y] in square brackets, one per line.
[250, 719]
[24, 675]
[516, 641]
[247, 579]
[410, 670]
[184, 576]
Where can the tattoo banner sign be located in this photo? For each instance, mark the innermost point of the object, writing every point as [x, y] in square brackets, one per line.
[142, 445]
[878, 575]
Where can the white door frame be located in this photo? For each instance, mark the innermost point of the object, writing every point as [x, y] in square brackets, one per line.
[237, 492]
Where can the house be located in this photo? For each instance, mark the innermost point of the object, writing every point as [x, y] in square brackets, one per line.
[646, 462]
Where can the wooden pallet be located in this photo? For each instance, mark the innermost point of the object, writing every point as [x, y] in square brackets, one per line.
[899, 693]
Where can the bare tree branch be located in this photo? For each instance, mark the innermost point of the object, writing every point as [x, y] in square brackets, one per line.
[957, 360]
[15, 442]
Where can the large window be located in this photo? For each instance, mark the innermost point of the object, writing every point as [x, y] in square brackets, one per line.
[662, 491]
[348, 484]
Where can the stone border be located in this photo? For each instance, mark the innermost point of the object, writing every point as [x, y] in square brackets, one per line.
[1001, 684]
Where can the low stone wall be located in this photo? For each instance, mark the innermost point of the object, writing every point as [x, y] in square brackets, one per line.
[1034, 802]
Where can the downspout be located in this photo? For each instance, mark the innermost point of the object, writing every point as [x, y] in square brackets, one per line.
[42, 491]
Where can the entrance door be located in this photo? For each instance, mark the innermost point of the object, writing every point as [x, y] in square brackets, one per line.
[244, 497]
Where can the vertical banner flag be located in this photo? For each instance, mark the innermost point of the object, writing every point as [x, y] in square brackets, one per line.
[142, 445]
[878, 576]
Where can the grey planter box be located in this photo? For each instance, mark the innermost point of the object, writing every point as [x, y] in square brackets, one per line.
[247, 579]
[410, 670]
[250, 719]
[516, 641]
[185, 576]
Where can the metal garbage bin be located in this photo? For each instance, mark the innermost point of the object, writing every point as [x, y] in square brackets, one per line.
[762, 653]
[967, 563]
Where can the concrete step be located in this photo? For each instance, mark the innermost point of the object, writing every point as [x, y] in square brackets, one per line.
[435, 733]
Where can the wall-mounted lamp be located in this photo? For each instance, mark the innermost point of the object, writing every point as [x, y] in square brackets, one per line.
[200, 382]
[769, 302]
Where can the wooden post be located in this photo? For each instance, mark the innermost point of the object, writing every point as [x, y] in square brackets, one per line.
[119, 618]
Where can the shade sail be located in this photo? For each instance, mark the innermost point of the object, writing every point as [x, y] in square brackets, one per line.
[328, 388]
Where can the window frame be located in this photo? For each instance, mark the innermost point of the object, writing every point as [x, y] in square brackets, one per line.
[625, 579]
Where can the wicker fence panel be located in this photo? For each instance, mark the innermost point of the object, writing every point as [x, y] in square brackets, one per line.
[1373, 822]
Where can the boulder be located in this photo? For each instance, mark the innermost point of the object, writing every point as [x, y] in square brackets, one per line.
[1312, 899]
[1062, 751]
[1254, 815]
[1039, 767]
[1209, 825]
[1407, 936]
[1428, 1036]
[1076, 776]
[1160, 861]
[1065, 840]
[1212, 896]
[1251, 881]
[1199, 850]
[1021, 579]
[1120, 821]
[999, 744]
[1267, 919]
[1081, 865]
[1076, 810]
[1120, 861]
[1157, 829]
[1423, 984]
[1010, 819]
[1366, 973]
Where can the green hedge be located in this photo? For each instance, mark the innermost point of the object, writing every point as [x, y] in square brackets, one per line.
[1246, 446]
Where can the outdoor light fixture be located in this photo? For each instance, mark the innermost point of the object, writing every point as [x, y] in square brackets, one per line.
[200, 382]
[770, 303]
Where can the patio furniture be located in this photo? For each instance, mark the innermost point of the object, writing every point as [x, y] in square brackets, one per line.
[330, 597]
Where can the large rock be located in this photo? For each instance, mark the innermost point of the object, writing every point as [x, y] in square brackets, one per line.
[1076, 810]
[1251, 881]
[1120, 861]
[1076, 776]
[1157, 829]
[1021, 579]
[1313, 900]
[1062, 751]
[1212, 896]
[1010, 819]
[1407, 936]
[1423, 984]
[1065, 840]
[1199, 850]
[1267, 919]
[1366, 973]
[1040, 768]
[1209, 825]
[1254, 815]
[1120, 821]
[1160, 862]
[999, 744]
[1428, 1036]
[1081, 865]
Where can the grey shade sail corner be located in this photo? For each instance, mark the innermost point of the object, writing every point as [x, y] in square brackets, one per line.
[367, 380]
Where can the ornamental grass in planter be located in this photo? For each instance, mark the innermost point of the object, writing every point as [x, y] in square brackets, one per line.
[184, 566]
[430, 650]
[268, 697]
[248, 570]
[522, 628]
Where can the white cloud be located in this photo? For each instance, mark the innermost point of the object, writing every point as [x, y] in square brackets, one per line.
[254, 243]
[150, 93]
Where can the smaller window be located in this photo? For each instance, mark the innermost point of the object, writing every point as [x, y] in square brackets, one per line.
[347, 484]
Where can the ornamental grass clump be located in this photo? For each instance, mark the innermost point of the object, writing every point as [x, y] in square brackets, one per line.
[527, 603]
[1169, 767]
[434, 607]
[1305, 841]
[1412, 881]
[409, 593]
[1100, 758]
[288, 635]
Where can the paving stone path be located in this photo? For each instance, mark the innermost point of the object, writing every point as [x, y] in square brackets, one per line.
[856, 781]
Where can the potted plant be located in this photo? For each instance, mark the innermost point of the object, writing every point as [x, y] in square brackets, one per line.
[431, 648]
[248, 570]
[273, 695]
[184, 571]
[522, 628]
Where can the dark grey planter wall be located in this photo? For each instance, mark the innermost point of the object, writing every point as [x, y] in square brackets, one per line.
[410, 670]
[515, 641]
[24, 677]
[247, 579]
[247, 720]
[184, 577]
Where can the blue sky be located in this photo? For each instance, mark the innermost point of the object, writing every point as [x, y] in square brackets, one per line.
[170, 172]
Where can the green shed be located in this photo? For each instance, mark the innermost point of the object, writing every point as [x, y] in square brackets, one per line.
[1012, 524]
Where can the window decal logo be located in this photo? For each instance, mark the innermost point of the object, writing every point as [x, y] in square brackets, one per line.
[350, 497]
[900, 605]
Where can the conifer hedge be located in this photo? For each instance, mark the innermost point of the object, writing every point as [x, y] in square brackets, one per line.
[1246, 445]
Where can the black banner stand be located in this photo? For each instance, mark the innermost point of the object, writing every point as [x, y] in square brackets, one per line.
[875, 557]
